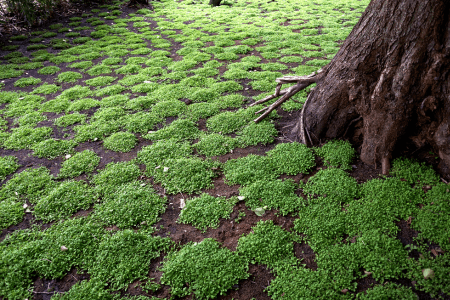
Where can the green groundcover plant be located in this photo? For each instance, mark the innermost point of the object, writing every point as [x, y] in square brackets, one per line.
[207, 268]
[206, 211]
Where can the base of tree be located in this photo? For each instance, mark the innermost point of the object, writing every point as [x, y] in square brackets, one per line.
[389, 81]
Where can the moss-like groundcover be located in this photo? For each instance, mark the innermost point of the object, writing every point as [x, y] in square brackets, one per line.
[110, 120]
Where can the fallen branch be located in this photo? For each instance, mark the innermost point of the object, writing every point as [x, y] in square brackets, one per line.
[302, 83]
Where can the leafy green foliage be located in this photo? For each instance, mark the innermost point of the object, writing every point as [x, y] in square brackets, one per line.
[11, 213]
[276, 194]
[70, 119]
[25, 137]
[208, 269]
[206, 211]
[92, 289]
[127, 253]
[82, 162]
[257, 133]
[268, 244]
[433, 219]
[114, 175]
[337, 153]
[249, 169]
[388, 291]
[334, 184]
[292, 158]
[49, 70]
[24, 82]
[120, 141]
[69, 76]
[215, 144]
[29, 184]
[52, 148]
[132, 204]
[180, 129]
[186, 174]
[414, 172]
[64, 200]
[8, 165]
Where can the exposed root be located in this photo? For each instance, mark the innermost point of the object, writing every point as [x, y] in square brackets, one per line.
[385, 166]
[302, 83]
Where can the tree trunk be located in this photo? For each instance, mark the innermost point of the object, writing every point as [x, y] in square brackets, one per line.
[214, 2]
[392, 73]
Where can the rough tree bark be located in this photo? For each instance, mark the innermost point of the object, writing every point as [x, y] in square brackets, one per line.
[214, 2]
[391, 75]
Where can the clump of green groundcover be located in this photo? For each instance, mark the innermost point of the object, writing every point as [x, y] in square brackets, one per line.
[129, 69]
[276, 194]
[69, 76]
[206, 211]
[8, 97]
[388, 290]
[208, 269]
[8, 165]
[333, 184]
[64, 200]
[292, 158]
[82, 65]
[438, 285]
[130, 205]
[50, 70]
[10, 73]
[82, 162]
[414, 172]
[24, 82]
[165, 109]
[229, 101]
[52, 148]
[257, 133]
[30, 66]
[180, 129]
[11, 213]
[56, 105]
[25, 137]
[31, 119]
[94, 131]
[129, 254]
[98, 70]
[140, 103]
[110, 90]
[154, 155]
[141, 122]
[432, 221]
[337, 153]
[196, 111]
[23, 105]
[215, 144]
[100, 80]
[86, 289]
[114, 175]
[83, 104]
[70, 119]
[46, 89]
[186, 174]
[120, 141]
[228, 122]
[76, 92]
[249, 169]
[30, 184]
[268, 244]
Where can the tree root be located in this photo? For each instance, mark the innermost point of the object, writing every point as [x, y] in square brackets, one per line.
[301, 83]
